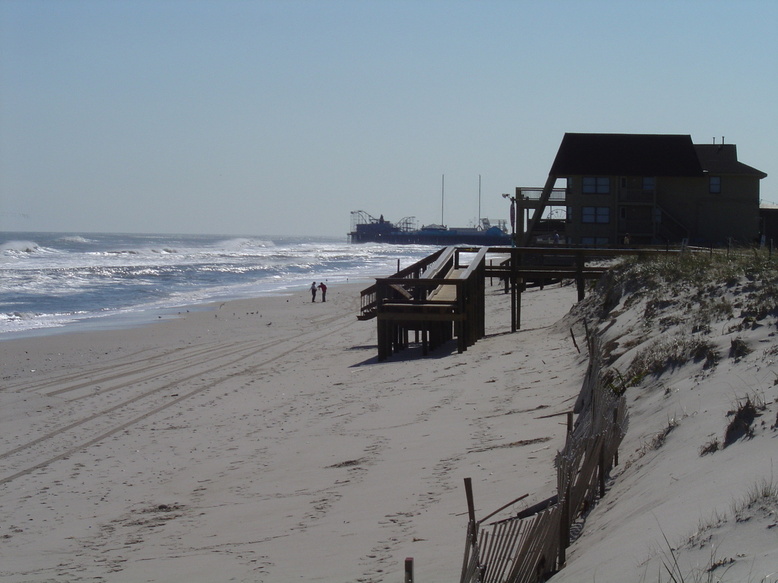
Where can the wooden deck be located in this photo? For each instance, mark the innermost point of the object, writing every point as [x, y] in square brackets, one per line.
[444, 301]
[442, 296]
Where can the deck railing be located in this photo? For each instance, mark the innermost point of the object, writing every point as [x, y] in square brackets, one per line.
[437, 299]
[371, 297]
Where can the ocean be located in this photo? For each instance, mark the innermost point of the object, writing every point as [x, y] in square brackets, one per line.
[51, 282]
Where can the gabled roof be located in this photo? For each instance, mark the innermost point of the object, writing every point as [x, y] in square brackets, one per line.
[626, 155]
[722, 159]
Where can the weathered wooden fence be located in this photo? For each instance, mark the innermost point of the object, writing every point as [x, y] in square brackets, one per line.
[531, 545]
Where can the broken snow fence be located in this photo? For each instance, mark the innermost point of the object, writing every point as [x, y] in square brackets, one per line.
[531, 545]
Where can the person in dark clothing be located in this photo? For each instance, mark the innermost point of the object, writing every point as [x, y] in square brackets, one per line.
[323, 289]
[313, 291]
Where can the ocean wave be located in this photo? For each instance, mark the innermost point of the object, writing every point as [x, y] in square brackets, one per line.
[16, 322]
[135, 252]
[240, 243]
[14, 316]
[75, 239]
[19, 247]
[53, 280]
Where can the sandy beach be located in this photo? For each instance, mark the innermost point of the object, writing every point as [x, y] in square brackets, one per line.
[259, 440]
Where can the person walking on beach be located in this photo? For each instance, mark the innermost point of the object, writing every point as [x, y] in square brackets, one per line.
[323, 288]
[313, 291]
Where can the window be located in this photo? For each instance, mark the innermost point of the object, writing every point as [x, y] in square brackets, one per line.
[596, 214]
[715, 184]
[569, 215]
[649, 183]
[596, 185]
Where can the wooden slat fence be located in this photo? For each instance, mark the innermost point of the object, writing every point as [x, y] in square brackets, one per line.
[528, 547]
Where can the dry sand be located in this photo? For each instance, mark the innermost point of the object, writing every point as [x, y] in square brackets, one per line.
[260, 440]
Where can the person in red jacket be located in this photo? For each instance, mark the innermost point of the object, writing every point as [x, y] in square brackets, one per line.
[323, 289]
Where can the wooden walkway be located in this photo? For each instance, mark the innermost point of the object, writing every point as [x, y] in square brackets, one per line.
[436, 299]
[442, 296]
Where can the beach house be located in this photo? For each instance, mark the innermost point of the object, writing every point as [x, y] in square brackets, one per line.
[651, 189]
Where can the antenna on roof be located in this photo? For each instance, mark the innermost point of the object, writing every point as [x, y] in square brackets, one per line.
[714, 140]
[479, 199]
[722, 140]
[442, 196]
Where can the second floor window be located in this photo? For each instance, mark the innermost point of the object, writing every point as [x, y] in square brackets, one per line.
[715, 184]
[596, 185]
[648, 183]
[596, 214]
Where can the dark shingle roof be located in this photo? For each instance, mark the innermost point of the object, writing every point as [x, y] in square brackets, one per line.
[722, 159]
[626, 155]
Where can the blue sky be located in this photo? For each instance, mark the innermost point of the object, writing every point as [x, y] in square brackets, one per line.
[281, 117]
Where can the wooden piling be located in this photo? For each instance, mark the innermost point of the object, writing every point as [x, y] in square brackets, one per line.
[512, 283]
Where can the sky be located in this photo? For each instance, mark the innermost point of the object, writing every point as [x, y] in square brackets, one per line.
[273, 117]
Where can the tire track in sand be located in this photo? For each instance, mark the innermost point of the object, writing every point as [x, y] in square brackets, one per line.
[294, 343]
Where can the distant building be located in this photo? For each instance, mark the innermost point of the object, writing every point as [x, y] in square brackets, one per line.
[654, 189]
[768, 217]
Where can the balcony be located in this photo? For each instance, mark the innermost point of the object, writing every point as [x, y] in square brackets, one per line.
[530, 196]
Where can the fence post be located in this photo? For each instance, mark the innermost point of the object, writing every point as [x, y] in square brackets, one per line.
[470, 502]
[564, 527]
[408, 570]
[615, 428]
[602, 468]
[472, 527]
[579, 279]
[564, 498]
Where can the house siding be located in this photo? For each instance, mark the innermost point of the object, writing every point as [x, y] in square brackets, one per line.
[676, 208]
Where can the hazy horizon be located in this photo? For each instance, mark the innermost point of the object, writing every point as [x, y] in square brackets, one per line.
[281, 117]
